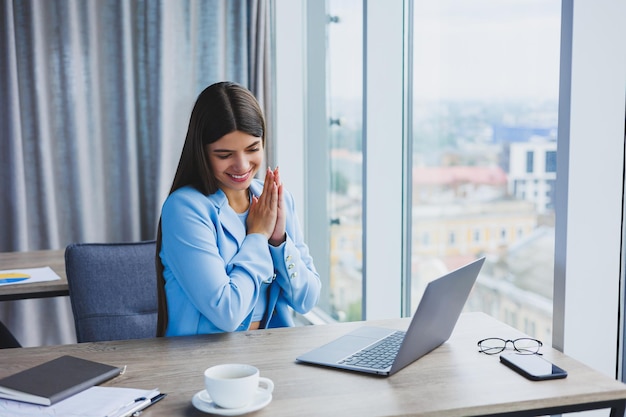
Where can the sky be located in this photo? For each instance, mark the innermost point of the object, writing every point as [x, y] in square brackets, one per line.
[463, 49]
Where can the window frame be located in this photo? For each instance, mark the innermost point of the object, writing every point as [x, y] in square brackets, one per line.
[591, 105]
[386, 273]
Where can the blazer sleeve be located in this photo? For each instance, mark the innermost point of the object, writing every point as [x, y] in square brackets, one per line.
[293, 265]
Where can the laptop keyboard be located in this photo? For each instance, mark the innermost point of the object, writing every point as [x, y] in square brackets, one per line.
[379, 355]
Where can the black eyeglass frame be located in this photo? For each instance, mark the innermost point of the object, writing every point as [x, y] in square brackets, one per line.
[498, 349]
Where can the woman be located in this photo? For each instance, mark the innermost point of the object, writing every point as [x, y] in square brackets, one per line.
[230, 253]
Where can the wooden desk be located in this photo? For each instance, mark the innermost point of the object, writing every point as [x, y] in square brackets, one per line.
[55, 259]
[453, 380]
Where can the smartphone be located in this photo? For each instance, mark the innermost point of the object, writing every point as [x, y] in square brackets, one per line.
[533, 367]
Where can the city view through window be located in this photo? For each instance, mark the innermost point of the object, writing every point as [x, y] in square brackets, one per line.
[485, 104]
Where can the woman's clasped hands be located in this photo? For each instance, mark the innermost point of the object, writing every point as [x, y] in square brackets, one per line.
[267, 212]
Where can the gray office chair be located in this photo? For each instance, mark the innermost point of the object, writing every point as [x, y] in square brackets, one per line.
[7, 340]
[112, 290]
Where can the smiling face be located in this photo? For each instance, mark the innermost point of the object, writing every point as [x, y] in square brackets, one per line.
[235, 159]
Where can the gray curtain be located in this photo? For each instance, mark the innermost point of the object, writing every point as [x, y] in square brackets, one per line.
[95, 97]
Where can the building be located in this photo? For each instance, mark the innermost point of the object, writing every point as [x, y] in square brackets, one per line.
[532, 172]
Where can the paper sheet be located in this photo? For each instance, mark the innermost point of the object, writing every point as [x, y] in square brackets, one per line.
[93, 402]
[16, 276]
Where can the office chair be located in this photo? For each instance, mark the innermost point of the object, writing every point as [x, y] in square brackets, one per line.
[7, 340]
[112, 290]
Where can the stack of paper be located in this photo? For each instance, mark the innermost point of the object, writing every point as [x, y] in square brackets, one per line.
[93, 402]
[65, 386]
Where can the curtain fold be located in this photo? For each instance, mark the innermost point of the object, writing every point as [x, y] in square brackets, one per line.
[94, 106]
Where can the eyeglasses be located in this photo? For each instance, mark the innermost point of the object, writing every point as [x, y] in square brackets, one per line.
[524, 345]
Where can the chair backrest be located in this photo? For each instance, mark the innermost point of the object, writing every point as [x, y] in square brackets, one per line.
[7, 340]
[112, 290]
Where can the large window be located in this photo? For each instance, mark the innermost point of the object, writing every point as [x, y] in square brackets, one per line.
[581, 212]
[485, 107]
[345, 109]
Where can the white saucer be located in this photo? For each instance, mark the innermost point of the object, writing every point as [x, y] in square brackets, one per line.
[202, 401]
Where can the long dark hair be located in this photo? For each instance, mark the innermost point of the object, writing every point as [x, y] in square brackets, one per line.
[220, 109]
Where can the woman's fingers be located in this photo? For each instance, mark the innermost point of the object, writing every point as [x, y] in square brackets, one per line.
[267, 213]
[264, 211]
[269, 179]
[278, 235]
[277, 176]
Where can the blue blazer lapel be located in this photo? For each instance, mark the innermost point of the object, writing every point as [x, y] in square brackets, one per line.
[227, 217]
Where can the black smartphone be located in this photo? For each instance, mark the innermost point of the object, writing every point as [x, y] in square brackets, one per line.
[533, 367]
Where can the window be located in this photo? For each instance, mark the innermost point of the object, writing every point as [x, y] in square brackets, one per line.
[481, 111]
[476, 236]
[345, 108]
[484, 106]
[550, 161]
[530, 161]
[592, 108]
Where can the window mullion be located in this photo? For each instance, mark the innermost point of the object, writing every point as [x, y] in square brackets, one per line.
[383, 131]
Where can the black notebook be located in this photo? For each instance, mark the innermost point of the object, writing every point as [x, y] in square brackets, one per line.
[55, 380]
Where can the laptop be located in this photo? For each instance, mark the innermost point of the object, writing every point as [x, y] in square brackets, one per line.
[392, 350]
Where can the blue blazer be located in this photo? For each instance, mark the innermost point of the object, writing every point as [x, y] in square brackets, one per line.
[213, 270]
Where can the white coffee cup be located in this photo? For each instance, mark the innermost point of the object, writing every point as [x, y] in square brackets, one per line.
[234, 385]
